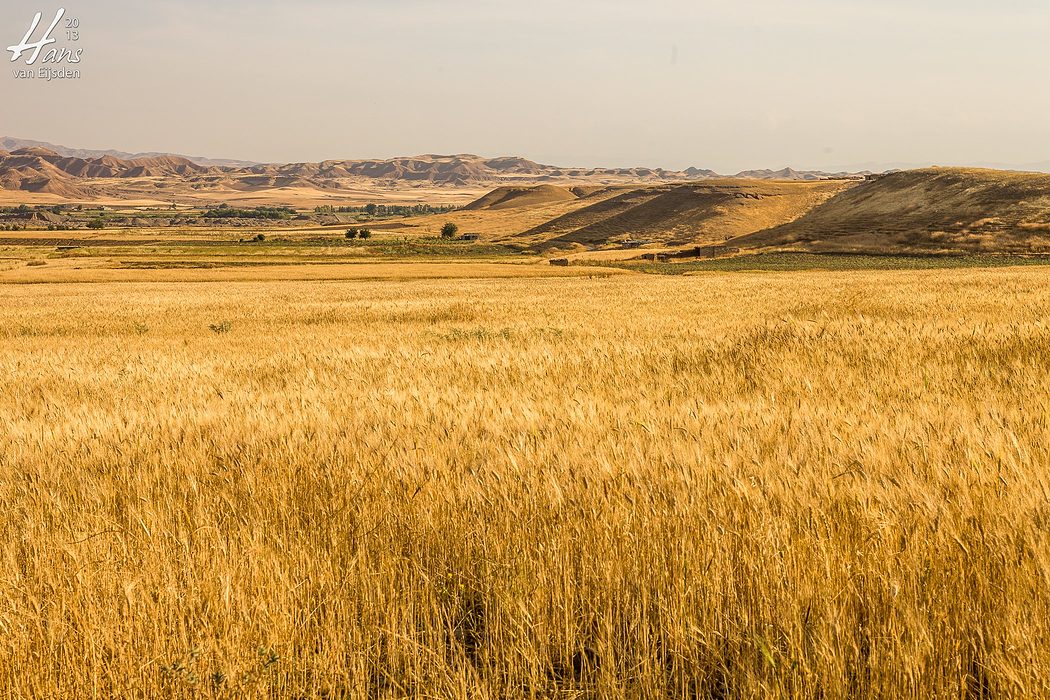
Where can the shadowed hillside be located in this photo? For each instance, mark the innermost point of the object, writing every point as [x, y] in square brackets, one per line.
[925, 211]
[693, 213]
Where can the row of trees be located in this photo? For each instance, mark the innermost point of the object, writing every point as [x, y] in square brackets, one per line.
[225, 211]
[26, 209]
[381, 210]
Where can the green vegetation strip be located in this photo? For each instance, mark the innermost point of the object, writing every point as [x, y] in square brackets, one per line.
[785, 262]
[205, 254]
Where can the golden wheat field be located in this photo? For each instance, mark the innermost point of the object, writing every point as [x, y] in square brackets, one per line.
[813, 485]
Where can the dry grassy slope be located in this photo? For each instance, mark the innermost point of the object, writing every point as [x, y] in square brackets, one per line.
[692, 213]
[503, 213]
[550, 217]
[512, 197]
[931, 210]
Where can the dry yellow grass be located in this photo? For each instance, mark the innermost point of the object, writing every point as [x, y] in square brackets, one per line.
[782, 485]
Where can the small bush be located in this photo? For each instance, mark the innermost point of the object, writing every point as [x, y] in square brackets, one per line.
[449, 230]
[365, 233]
[351, 233]
[221, 328]
[96, 224]
[260, 237]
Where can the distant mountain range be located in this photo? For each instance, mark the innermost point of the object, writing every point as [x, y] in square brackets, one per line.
[9, 143]
[35, 166]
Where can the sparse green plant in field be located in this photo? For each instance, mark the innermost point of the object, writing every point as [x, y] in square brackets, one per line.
[220, 328]
[351, 233]
[365, 233]
[479, 334]
[449, 230]
[97, 223]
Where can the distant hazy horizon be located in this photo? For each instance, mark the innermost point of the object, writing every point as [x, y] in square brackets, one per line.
[816, 84]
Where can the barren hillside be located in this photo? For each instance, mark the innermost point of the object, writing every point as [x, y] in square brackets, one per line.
[693, 213]
[930, 210]
[514, 197]
[582, 217]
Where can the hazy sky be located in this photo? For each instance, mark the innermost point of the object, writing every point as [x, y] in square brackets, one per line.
[726, 84]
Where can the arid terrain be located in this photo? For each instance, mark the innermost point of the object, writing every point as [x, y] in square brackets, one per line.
[269, 432]
[44, 173]
[524, 206]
